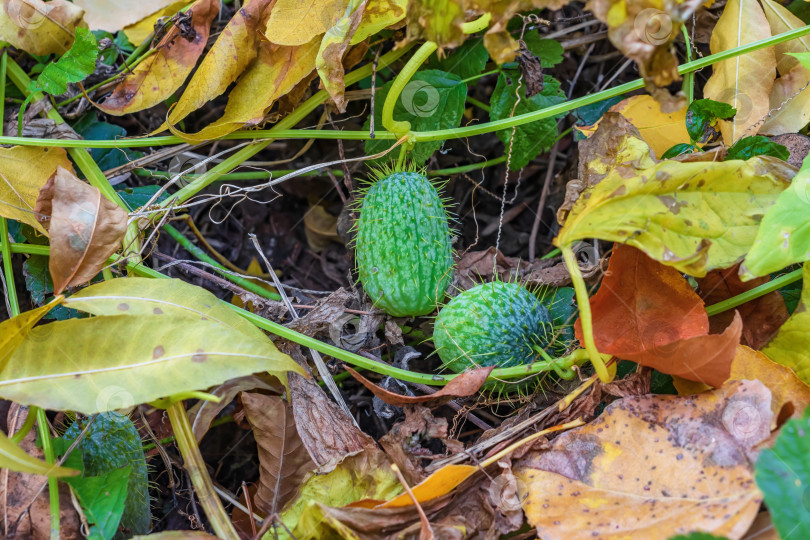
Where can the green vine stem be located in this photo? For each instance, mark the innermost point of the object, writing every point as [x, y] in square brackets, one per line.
[197, 471]
[688, 78]
[401, 128]
[584, 304]
[47, 449]
[8, 271]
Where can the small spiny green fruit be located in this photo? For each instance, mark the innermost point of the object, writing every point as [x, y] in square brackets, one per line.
[403, 247]
[493, 324]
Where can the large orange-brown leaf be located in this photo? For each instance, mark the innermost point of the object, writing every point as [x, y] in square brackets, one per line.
[283, 460]
[234, 49]
[84, 226]
[463, 385]
[39, 27]
[647, 312]
[652, 467]
[761, 317]
[787, 390]
[160, 74]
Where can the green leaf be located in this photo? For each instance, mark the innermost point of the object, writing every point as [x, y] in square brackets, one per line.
[757, 145]
[783, 476]
[111, 442]
[102, 499]
[588, 115]
[549, 51]
[704, 113]
[466, 61]
[74, 66]
[90, 127]
[529, 139]
[791, 346]
[432, 100]
[803, 58]
[784, 235]
[136, 197]
[14, 458]
[692, 216]
[678, 149]
[111, 362]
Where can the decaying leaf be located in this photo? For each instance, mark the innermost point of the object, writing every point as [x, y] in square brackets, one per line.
[283, 460]
[113, 16]
[791, 346]
[24, 170]
[138, 32]
[694, 217]
[745, 81]
[38, 27]
[162, 73]
[647, 312]
[652, 467]
[320, 227]
[645, 30]
[334, 44]
[84, 226]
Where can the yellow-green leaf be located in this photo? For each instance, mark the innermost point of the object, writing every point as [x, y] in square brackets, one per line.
[274, 73]
[791, 346]
[781, 20]
[39, 27]
[139, 297]
[13, 330]
[296, 22]
[379, 15]
[14, 458]
[23, 172]
[110, 362]
[744, 82]
[692, 216]
[231, 53]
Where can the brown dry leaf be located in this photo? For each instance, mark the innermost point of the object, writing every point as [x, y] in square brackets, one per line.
[205, 411]
[24, 170]
[761, 317]
[334, 44]
[232, 52]
[320, 228]
[162, 73]
[112, 16]
[84, 226]
[652, 467]
[283, 460]
[786, 388]
[327, 432]
[463, 385]
[476, 266]
[744, 82]
[645, 30]
[660, 130]
[38, 27]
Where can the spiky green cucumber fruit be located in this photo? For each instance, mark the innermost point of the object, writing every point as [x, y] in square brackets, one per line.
[403, 250]
[112, 442]
[493, 324]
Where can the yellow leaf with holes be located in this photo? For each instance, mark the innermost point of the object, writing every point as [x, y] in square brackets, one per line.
[297, 22]
[745, 81]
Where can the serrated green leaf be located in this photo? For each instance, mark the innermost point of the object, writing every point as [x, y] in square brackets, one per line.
[757, 145]
[74, 66]
[783, 476]
[692, 216]
[14, 458]
[529, 139]
[549, 51]
[784, 235]
[102, 499]
[466, 61]
[111, 362]
[791, 346]
[432, 100]
[703, 113]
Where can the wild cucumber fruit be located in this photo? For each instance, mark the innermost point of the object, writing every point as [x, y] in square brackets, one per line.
[403, 250]
[493, 324]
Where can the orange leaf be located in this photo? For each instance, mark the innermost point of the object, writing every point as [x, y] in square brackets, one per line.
[761, 317]
[786, 388]
[162, 73]
[652, 467]
[85, 228]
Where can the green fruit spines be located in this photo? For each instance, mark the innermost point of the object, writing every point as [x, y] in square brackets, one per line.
[403, 247]
[492, 324]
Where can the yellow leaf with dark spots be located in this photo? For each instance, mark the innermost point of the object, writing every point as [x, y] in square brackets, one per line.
[296, 22]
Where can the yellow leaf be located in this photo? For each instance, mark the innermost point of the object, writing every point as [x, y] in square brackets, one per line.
[112, 15]
[790, 103]
[692, 216]
[379, 15]
[744, 82]
[791, 346]
[163, 72]
[14, 458]
[329, 62]
[254, 269]
[781, 20]
[23, 172]
[660, 130]
[111, 362]
[38, 27]
[274, 73]
[13, 330]
[232, 52]
[138, 32]
[297, 22]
